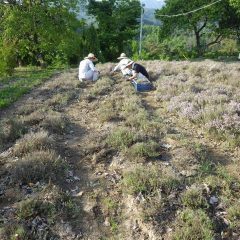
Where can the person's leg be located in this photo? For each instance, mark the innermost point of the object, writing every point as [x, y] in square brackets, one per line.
[89, 75]
[95, 76]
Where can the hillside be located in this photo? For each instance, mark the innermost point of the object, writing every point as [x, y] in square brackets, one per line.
[100, 161]
[149, 17]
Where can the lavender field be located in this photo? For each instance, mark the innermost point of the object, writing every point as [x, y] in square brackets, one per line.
[102, 161]
[203, 93]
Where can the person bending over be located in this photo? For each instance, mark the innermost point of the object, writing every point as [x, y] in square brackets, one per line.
[138, 71]
[124, 60]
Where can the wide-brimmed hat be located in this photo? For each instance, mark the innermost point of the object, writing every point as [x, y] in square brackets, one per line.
[122, 56]
[91, 56]
[129, 63]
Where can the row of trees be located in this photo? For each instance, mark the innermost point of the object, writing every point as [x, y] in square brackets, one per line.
[195, 34]
[48, 32]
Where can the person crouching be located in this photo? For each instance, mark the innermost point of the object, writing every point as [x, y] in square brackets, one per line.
[138, 71]
[87, 70]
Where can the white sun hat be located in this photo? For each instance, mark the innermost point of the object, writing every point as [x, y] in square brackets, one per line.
[129, 63]
[91, 56]
[122, 56]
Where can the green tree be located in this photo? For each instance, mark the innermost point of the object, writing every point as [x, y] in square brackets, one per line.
[116, 24]
[209, 25]
[40, 30]
[230, 22]
[236, 4]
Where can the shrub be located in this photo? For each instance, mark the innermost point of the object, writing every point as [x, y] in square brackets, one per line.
[35, 207]
[193, 198]
[61, 99]
[35, 117]
[234, 215]
[50, 203]
[144, 149]
[106, 111]
[32, 142]
[101, 87]
[130, 106]
[12, 231]
[121, 138]
[7, 62]
[39, 166]
[28, 108]
[10, 130]
[55, 122]
[193, 224]
[147, 180]
[138, 120]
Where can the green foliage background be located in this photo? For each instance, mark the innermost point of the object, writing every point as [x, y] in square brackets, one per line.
[49, 33]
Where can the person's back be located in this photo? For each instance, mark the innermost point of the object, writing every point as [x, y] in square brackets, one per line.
[138, 68]
[84, 67]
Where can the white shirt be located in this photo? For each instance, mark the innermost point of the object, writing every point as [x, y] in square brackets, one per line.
[121, 64]
[85, 66]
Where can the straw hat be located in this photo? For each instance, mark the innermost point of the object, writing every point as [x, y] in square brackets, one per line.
[122, 56]
[129, 63]
[91, 56]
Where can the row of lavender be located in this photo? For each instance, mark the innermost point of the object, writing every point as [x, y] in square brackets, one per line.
[206, 93]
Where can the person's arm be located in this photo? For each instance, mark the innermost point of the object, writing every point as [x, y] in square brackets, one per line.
[92, 67]
[135, 74]
[117, 67]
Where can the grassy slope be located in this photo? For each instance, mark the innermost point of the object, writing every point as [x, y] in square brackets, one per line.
[149, 165]
[12, 88]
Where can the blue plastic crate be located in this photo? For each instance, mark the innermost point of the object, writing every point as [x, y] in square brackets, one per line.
[143, 86]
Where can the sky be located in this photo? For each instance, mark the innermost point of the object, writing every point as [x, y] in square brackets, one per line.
[153, 3]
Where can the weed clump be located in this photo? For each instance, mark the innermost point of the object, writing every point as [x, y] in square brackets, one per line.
[121, 138]
[39, 166]
[144, 149]
[101, 87]
[193, 224]
[32, 142]
[107, 111]
[148, 180]
[55, 122]
[193, 198]
[234, 215]
[10, 130]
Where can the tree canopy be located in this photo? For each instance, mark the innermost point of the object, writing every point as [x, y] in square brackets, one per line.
[50, 32]
[116, 24]
[236, 4]
[39, 29]
[209, 25]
